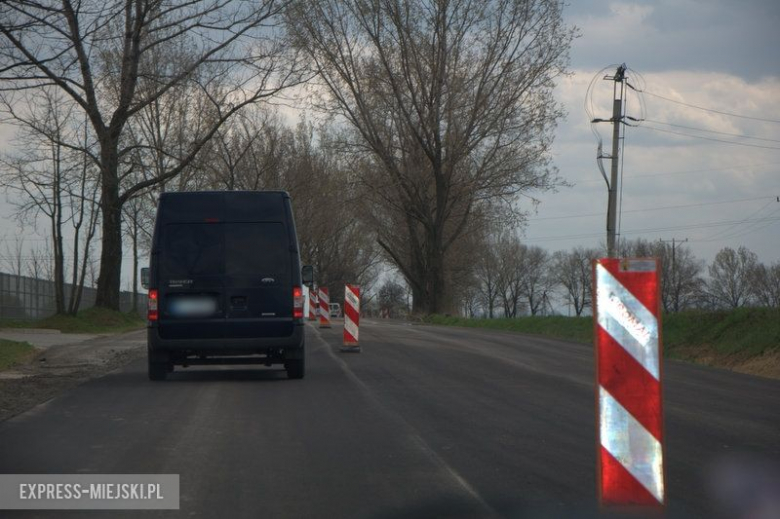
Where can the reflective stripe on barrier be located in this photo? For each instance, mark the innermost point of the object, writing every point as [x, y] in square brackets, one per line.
[628, 370]
[351, 317]
[324, 308]
[313, 303]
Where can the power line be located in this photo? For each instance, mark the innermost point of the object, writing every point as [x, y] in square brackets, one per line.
[741, 167]
[751, 228]
[709, 138]
[705, 225]
[712, 131]
[754, 229]
[728, 230]
[622, 160]
[721, 202]
[730, 114]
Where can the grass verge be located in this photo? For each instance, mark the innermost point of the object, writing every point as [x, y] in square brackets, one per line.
[578, 329]
[91, 320]
[745, 339]
[13, 353]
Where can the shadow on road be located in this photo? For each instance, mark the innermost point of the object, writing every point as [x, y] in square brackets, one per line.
[226, 374]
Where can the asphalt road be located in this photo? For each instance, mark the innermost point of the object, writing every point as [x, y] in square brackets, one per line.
[425, 422]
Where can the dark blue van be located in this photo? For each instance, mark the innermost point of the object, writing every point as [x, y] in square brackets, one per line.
[225, 282]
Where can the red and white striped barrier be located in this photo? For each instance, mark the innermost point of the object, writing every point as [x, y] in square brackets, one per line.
[313, 303]
[351, 317]
[324, 308]
[628, 370]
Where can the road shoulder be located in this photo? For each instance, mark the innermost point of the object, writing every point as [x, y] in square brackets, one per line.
[58, 367]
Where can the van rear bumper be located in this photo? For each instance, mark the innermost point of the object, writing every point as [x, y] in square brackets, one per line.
[291, 346]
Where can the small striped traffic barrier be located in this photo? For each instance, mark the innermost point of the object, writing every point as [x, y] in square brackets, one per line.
[324, 308]
[628, 395]
[351, 318]
[313, 303]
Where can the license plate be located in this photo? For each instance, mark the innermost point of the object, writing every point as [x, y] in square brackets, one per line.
[192, 306]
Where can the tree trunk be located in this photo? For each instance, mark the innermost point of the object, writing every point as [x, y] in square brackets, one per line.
[135, 261]
[419, 301]
[109, 277]
[56, 221]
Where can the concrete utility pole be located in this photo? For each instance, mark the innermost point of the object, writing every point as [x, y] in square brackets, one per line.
[617, 119]
[674, 250]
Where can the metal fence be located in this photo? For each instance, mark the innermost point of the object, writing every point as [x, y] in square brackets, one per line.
[23, 297]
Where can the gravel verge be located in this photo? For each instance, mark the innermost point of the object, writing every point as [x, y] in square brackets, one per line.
[61, 367]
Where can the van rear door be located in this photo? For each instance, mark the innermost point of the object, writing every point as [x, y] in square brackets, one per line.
[258, 280]
[191, 287]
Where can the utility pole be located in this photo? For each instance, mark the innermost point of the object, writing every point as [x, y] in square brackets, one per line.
[618, 92]
[674, 249]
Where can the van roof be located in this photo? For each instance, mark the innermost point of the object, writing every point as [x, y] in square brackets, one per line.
[167, 194]
[223, 206]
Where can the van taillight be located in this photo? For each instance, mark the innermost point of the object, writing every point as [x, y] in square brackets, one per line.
[298, 301]
[151, 307]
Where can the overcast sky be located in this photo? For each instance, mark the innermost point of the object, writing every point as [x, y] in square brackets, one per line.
[716, 54]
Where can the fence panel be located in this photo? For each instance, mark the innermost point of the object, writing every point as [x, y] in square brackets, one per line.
[23, 297]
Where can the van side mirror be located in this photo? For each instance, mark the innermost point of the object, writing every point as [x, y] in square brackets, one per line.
[307, 275]
[145, 277]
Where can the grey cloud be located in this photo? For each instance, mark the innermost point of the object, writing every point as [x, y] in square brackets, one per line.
[739, 38]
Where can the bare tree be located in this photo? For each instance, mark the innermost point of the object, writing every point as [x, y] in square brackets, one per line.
[729, 284]
[574, 272]
[84, 216]
[133, 212]
[681, 272]
[513, 273]
[111, 58]
[13, 255]
[51, 176]
[392, 297]
[40, 264]
[451, 103]
[249, 152]
[539, 282]
[470, 299]
[332, 236]
[681, 277]
[765, 284]
[486, 274]
[40, 174]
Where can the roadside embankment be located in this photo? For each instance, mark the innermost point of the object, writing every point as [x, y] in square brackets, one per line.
[91, 320]
[40, 359]
[745, 340]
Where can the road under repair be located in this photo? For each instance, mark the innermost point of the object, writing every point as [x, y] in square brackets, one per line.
[425, 422]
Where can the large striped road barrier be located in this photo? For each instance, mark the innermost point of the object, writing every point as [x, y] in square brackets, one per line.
[313, 303]
[628, 386]
[351, 318]
[324, 307]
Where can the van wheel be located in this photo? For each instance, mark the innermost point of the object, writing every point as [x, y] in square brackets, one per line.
[158, 366]
[295, 368]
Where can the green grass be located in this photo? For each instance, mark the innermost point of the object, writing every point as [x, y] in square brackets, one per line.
[13, 353]
[91, 320]
[745, 332]
[578, 329]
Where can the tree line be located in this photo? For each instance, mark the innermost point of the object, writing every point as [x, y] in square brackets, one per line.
[440, 116]
[509, 278]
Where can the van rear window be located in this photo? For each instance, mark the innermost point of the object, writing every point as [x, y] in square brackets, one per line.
[253, 249]
[240, 250]
[191, 250]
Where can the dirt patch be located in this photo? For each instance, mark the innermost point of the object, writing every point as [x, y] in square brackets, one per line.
[60, 368]
[765, 365]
